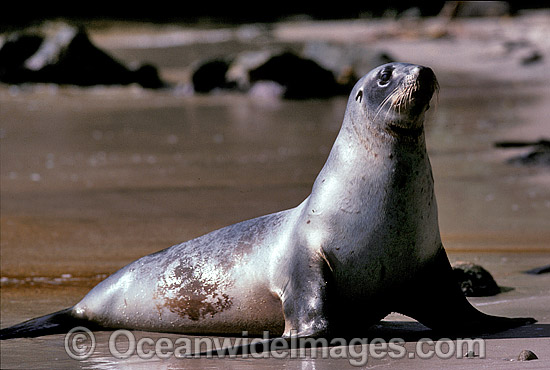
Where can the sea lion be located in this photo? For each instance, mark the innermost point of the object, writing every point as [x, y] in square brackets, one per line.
[365, 243]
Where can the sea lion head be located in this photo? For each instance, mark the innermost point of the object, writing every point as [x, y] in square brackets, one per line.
[393, 99]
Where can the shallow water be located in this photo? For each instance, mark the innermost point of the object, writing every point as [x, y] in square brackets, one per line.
[92, 179]
[110, 174]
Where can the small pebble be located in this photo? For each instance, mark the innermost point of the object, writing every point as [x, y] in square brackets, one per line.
[527, 355]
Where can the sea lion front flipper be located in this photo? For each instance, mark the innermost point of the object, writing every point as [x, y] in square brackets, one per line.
[303, 293]
[435, 299]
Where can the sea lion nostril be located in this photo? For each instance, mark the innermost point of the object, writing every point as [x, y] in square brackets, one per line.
[425, 74]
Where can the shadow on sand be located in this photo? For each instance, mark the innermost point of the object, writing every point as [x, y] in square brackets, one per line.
[414, 331]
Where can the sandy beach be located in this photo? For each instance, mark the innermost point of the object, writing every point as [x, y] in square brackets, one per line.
[94, 178]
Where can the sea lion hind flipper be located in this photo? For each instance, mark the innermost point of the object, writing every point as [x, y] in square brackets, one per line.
[435, 299]
[54, 323]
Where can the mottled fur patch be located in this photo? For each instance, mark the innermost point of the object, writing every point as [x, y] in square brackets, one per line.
[193, 292]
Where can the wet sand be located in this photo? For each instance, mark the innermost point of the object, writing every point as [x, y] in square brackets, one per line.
[92, 179]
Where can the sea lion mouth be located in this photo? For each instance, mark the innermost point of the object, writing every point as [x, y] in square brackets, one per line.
[415, 92]
[402, 131]
[410, 100]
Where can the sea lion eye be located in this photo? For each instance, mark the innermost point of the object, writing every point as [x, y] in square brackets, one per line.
[359, 96]
[384, 77]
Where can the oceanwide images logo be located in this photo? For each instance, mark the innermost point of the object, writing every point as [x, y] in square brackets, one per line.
[80, 344]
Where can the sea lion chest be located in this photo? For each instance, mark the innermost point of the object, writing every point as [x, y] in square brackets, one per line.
[377, 229]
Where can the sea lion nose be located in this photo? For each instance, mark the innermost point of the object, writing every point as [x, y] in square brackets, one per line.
[424, 74]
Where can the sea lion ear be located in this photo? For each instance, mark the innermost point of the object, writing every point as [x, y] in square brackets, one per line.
[359, 96]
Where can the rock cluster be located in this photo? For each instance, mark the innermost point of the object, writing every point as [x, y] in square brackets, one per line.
[63, 54]
[321, 70]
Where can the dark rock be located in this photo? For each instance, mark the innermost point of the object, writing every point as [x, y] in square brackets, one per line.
[539, 270]
[455, 9]
[474, 280]
[533, 56]
[346, 62]
[301, 78]
[16, 50]
[523, 50]
[65, 55]
[538, 156]
[239, 70]
[211, 75]
[147, 76]
[527, 355]
[519, 144]
[534, 158]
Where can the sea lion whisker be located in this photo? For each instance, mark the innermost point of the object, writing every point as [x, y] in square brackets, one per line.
[385, 101]
[411, 91]
[381, 105]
